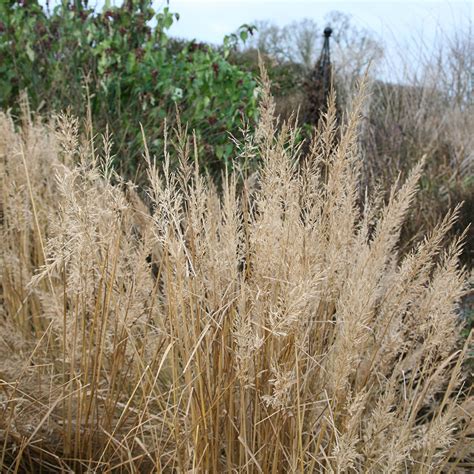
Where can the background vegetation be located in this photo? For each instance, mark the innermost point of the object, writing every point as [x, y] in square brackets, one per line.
[120, 67]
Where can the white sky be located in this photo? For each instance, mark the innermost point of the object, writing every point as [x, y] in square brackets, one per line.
[211, 20]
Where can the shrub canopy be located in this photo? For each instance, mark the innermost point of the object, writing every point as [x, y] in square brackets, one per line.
[122, 62]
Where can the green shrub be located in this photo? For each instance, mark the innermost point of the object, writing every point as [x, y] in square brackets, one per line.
[120, 61]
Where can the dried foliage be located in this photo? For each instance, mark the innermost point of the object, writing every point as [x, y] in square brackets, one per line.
[273, 328]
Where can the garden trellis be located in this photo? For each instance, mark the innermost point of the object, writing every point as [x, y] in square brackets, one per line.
[319, 82]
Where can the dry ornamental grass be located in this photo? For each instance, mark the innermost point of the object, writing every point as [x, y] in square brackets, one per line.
[266, 329]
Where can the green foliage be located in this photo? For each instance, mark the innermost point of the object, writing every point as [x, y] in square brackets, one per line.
[123, 57]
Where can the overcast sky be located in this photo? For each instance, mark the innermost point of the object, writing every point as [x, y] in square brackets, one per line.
[211, 20]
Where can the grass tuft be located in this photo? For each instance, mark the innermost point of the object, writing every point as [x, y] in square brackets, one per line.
[269, 327]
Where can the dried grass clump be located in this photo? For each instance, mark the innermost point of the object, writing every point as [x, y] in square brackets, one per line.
[274, 329]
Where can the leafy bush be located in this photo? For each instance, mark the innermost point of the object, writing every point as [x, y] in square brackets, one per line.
[264, 330]
[121, 63]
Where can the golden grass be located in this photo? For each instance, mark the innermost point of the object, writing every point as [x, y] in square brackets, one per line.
[265, 329]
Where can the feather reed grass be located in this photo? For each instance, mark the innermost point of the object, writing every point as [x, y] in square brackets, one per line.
[253, 329]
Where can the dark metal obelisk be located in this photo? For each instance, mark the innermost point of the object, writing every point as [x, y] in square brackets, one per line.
[319, 83]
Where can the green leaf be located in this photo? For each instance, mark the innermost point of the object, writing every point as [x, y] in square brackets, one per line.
[228, 150]
[30, 53]
[244, 35]
[219, 151]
